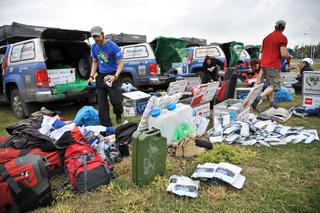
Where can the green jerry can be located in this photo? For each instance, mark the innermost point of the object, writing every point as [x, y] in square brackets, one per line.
[149, 151]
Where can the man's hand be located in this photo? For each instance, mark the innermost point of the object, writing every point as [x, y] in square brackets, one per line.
[112, 78]
[90, 81]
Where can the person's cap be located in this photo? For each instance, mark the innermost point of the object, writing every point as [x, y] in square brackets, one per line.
[308, 60]
[280, 22]
[96, 30]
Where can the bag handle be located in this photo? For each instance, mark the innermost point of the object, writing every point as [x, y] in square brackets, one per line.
[7, 177]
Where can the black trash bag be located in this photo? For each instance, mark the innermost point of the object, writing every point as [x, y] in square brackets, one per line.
[124, 136]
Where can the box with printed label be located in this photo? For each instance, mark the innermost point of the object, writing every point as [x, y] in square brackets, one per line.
[311, 100]
[201, 110]
[134, 103]
[61, 76]
[240, 108]
[242, 92]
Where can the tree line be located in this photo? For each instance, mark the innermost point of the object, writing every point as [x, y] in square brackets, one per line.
[306, 51]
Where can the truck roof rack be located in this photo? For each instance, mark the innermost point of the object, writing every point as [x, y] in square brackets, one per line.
[20, 32]
[123, 39]
[191, 41]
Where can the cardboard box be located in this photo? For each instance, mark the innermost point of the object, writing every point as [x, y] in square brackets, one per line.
[191, 83]
[61, 76]
[241, 93]
[201, 110]
[310, 100]
[134, 103]
[200, 102]
[241, 108]
[177, 87]
[288, 78]
[311, 82]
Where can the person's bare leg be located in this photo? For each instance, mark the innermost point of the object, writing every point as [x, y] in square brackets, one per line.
[266, 92]
[271, 96]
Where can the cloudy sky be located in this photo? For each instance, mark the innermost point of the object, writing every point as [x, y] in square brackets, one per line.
[247, 21]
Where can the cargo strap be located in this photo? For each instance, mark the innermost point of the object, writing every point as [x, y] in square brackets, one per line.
[85, 174]
[7, 177]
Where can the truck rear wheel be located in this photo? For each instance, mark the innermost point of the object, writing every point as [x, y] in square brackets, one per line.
[126, 79]
[19, 107]
[84, 67]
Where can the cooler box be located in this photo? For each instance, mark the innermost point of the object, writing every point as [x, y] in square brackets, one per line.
[200, 101]
[134, 103]
[241, 108]
[242, 92]
[149, 150]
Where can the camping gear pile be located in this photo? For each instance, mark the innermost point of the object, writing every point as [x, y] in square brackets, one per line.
[47, 144]
[168, 121]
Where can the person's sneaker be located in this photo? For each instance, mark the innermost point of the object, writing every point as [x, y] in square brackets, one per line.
[257, 102]
[118, 119]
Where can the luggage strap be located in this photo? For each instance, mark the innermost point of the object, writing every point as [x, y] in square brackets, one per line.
[7, 177]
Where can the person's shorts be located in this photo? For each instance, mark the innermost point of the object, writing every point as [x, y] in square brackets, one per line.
[273, 78]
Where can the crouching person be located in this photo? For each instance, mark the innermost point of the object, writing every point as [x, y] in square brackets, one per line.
[304, 65]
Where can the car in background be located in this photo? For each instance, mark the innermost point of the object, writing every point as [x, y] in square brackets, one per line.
[154, 64]
[36, 60]
[196, 56]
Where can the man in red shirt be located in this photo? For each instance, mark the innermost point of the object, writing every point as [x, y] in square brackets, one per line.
[274, 47]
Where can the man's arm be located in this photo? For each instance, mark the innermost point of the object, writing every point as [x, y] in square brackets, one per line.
[284, 53]
[94, 67]
[119, 69]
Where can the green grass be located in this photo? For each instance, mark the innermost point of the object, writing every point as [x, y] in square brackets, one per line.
[279, 179]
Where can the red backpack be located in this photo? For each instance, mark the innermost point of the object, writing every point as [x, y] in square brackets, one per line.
[85, 167]
[24, 183]
[52, 160]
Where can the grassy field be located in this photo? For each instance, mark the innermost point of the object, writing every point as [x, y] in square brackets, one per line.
[279, 179]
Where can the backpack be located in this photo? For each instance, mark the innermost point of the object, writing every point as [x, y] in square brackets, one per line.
[24, 184]
[85, 167]
[52, 160]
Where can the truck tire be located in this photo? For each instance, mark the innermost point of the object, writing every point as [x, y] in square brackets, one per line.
[19, 107]
[126, 79]
[84, 67]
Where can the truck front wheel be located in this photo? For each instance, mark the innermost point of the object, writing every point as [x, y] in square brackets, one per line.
[19, 107]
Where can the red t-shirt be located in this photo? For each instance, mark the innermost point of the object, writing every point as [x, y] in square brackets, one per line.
[271, 56]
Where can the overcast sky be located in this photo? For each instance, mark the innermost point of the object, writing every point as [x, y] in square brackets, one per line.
[247, 21]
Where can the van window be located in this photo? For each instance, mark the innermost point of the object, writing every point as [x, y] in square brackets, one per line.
[135, 52]
[211, 51]
[22, 52]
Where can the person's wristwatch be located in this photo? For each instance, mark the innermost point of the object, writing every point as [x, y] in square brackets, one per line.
[91, 77]
[115, 77]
